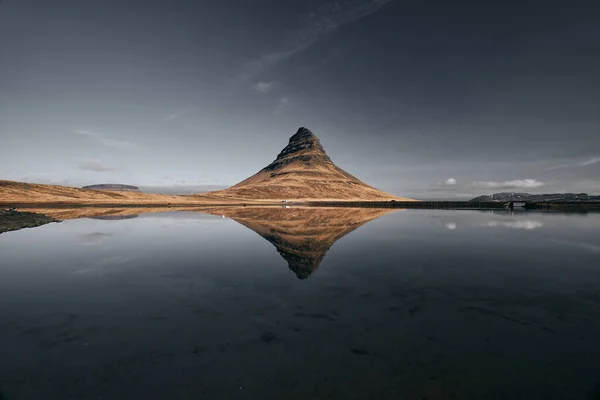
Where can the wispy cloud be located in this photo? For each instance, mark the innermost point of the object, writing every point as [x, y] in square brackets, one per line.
[314, 27]
[585, 163]
[560, 166]
[263, 87]
[516, 184]
[177, 114]
[96, 166]
[591, 161]
[106, 141]
[282, 103]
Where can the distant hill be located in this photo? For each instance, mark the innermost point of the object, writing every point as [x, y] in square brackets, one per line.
[114, 187]
[19, 193]
[512, 196]
[304, 171]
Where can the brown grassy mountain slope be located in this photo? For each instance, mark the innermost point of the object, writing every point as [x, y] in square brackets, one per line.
[17, 193]
[304, 171]
[301, 235]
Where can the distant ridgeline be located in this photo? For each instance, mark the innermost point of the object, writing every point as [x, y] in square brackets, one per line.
[113, 187]
[556, 197]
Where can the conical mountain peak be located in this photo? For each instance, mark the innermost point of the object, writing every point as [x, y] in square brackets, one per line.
[304, 171]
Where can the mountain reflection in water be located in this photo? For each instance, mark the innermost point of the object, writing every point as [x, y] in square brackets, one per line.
[301, 235]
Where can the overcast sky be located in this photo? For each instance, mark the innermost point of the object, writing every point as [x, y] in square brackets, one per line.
[426, 99]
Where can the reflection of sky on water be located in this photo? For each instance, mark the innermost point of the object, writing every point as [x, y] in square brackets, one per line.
[518, 224]
[584, 245]
[94, 237]
[451, 225]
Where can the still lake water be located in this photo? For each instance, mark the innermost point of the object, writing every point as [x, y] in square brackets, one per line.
[303, 304]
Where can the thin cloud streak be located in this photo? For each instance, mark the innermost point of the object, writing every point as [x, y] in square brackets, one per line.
[115, 143]
[316, 26]
[591, 161]
[177, 114]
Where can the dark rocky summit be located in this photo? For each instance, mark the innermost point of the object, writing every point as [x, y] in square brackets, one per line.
[305, 140]
[114, 187]
[548, 197]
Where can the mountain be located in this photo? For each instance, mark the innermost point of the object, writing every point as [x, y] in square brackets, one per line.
[113, 187]
[302, 236]
[304, 171]
[511, 196]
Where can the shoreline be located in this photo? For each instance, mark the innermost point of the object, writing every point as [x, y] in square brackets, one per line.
[132, 205]
[16, 220]
[440, 205]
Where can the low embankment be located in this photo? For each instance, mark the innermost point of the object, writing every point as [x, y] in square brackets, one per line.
[564, 205]
[466, 205]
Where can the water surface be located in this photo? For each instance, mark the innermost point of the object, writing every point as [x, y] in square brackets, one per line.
[293, 303]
